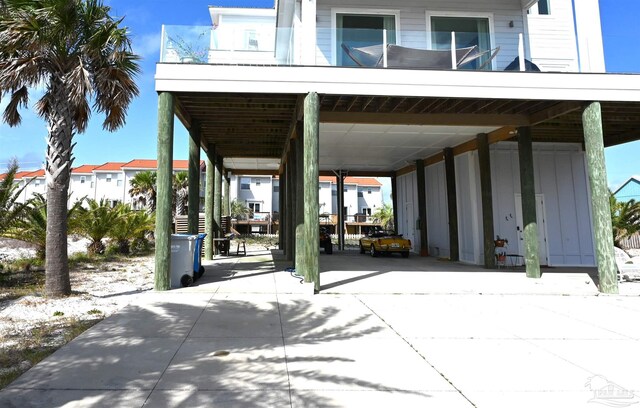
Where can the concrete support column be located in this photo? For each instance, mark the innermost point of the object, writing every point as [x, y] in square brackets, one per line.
[340, 205]
[217, 197]
[422, 208]
[162, 274]
[600, 206]
[487, 201]
[452, 205]
[528, 198]
[311, 232]
[194, 178]
[394, 203]
[208, 203]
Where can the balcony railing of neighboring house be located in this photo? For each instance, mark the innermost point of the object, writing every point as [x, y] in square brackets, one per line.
[347, 48]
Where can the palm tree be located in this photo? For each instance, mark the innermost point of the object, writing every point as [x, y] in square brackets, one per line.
[96, 223]
[143, 189]
[32, 228]
[130, 225]
[77, 53]
[181, 191]
[625, 218]
[239, 210]
[11, 210]
[384, 216]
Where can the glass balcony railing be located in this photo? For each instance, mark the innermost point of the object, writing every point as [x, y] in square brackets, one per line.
[348, 48]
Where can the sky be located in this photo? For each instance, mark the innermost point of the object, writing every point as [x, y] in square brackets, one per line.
[137, 139]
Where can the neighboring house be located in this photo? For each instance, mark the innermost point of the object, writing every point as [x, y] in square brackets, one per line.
[82, 183]
[109, 183]
[261, 194]
[465, 144]
[629, 190]
[35, 184]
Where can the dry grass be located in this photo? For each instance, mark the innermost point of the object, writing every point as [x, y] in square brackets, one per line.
[40, 342]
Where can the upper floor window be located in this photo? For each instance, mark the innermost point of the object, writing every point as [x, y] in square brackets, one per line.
[82, 179]
[542, 8]
[369, 191]
[360, 194]
[276, 188]
[245, 184]
[108, 177]
[470, 31]
[356, 29]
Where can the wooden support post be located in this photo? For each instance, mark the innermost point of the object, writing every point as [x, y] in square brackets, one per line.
[280, 208]
[290, 209]
[217, 198]
[299, 193]
[452, 206]
[226, 204]
[311, 230]
[208, 203]
[484, 158]
[528, 198]
[340, 209]
[394, 202]
[601, 210]
[194, 178]
[164, 191]
[422, 208]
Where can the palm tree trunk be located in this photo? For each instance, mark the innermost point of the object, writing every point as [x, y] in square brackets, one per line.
[58, 164]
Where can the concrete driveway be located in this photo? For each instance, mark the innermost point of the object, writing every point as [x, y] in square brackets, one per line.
[405, 332]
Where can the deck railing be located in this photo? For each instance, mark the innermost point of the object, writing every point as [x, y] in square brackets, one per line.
[283, 46]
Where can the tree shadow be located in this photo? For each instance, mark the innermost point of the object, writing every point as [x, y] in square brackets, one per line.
[201, 348]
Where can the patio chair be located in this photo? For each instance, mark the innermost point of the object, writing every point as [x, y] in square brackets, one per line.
[405, 57]
[628, 267]
[528, 66]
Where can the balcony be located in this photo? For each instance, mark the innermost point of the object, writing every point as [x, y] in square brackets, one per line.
[366, 48]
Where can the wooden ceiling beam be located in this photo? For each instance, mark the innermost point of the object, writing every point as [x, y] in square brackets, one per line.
[405, 170]
[557, 110]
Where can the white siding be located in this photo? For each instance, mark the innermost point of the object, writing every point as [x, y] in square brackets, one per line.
[109, 190]
[408, 208]
[561, 177]
[372, 201]
[469, 208]
[552, 39]
[351, 200]
[437, 211]
[324, 198]
[79, 190]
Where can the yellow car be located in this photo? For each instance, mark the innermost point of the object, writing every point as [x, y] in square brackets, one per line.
[385, 242]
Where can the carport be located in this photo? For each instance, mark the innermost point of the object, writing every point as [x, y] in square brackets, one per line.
[340, 122]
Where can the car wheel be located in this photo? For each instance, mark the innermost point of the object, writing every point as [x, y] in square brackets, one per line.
[372, 251]
[361, 248]
[405, 254]
[328, 248]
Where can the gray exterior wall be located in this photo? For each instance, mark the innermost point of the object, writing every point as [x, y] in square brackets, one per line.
[413, 22]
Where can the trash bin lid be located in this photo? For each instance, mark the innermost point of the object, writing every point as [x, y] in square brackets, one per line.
[183, 237]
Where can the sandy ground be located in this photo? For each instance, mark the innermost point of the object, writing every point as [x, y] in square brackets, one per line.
[97, 292]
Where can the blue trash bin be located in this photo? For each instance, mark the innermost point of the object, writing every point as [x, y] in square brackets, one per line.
[198, 269]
